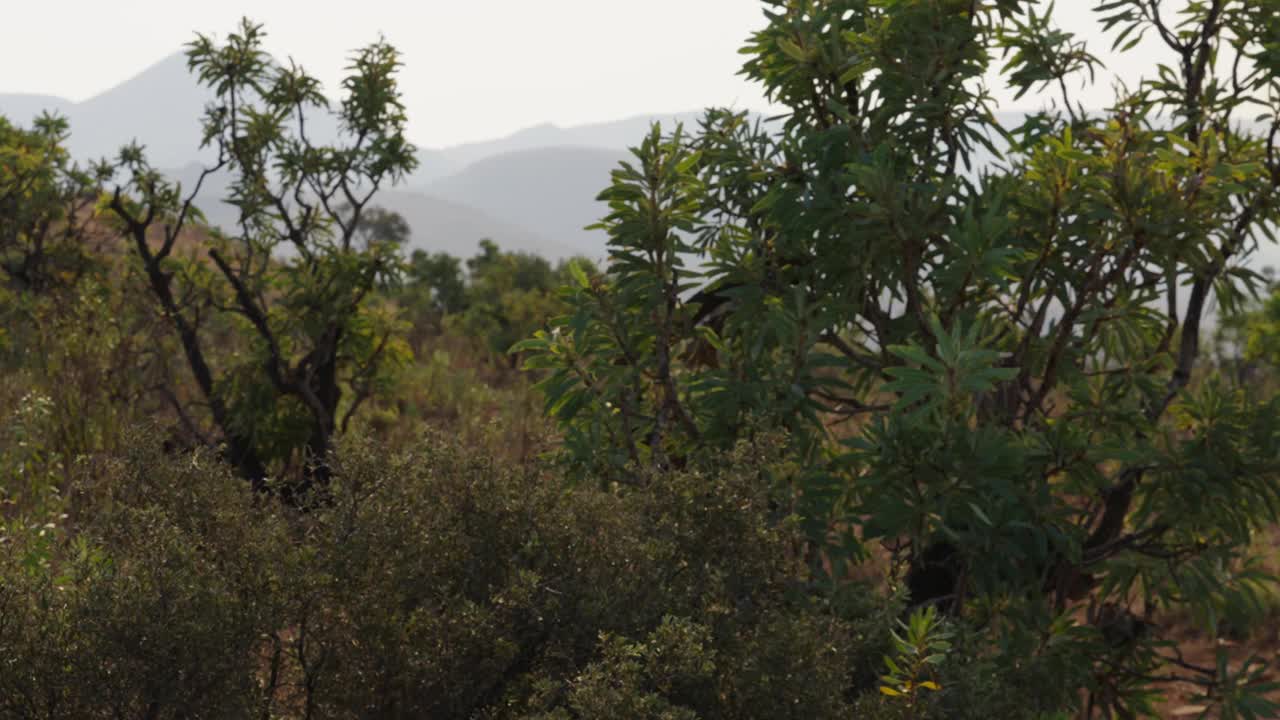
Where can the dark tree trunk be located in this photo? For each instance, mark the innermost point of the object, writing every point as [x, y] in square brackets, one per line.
[325, 394]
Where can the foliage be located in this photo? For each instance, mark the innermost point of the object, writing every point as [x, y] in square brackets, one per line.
[820, 343]
[29, 470]
[500, 297]
[453, 388]
[462, 318]
[76, 356]
[614, 353]
[1262, 331]
[989, 372]
[319, 345]
[436, 583]
[434, 284]
[923, 644]
[43, 198]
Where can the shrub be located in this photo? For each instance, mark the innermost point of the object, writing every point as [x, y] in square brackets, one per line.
[439, 582]
[435, 583]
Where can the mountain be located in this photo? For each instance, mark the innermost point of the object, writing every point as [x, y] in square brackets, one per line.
[435, 224]
[544, 178]
[174, 104]
[532, 190]
[549, 191]
[443, 226]
[169, 127]
[617, 136]
[23, 108]
[161, 107]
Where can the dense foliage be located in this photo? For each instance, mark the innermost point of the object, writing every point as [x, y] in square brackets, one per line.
[988, 371]
[435, 584]
[889, 408]
[43, 196]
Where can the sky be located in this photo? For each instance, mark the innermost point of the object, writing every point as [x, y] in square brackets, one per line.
[474, 69]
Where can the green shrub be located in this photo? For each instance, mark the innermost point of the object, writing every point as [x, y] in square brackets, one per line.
[438, 582]
[435, 583]
[153, 606]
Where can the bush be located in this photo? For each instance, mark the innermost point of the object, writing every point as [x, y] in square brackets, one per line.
[437, 582]
[154, 605]
[434, 584]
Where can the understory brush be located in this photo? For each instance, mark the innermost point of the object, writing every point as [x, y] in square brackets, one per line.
[437, 582]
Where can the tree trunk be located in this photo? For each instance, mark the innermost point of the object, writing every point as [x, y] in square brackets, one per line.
[327, 393]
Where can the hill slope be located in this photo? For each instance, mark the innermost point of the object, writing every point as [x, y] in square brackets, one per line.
[532, 190]
[22, 108]
[617, 136]
[161, 107]
[549, 191]
[436, 225]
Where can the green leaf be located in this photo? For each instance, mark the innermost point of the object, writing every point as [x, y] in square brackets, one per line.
[794, 51]
[579, 274]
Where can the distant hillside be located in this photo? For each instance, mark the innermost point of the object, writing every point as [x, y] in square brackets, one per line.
[549, 191]
[618, 135]
[161, 107]
[533, 190]
[443, 226]
[436, 225]
[23, 108]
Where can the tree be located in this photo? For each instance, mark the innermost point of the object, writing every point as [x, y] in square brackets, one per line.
[44, 197]
[509, 296]
[434, 284]
[317, 343]
[988, 370]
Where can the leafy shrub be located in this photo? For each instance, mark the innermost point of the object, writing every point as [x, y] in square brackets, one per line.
[435, 583]
[438, 583]
[154, 607]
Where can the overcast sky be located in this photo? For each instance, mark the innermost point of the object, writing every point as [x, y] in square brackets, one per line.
[474, 69]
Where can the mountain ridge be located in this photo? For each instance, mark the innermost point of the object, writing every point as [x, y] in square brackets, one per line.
[533, 189]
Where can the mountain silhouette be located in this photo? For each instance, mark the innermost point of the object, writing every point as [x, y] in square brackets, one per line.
[617, 136]
[22, 108]
[532, 190]
[160, 107]
[551, 191]
[435, 224]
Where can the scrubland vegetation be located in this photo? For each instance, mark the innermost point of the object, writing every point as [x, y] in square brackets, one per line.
[885, 411]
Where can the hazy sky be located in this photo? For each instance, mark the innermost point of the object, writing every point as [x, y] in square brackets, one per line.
[474, 69]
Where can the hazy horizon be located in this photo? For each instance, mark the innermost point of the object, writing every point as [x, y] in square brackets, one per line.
[497, 67]
[464, 105]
